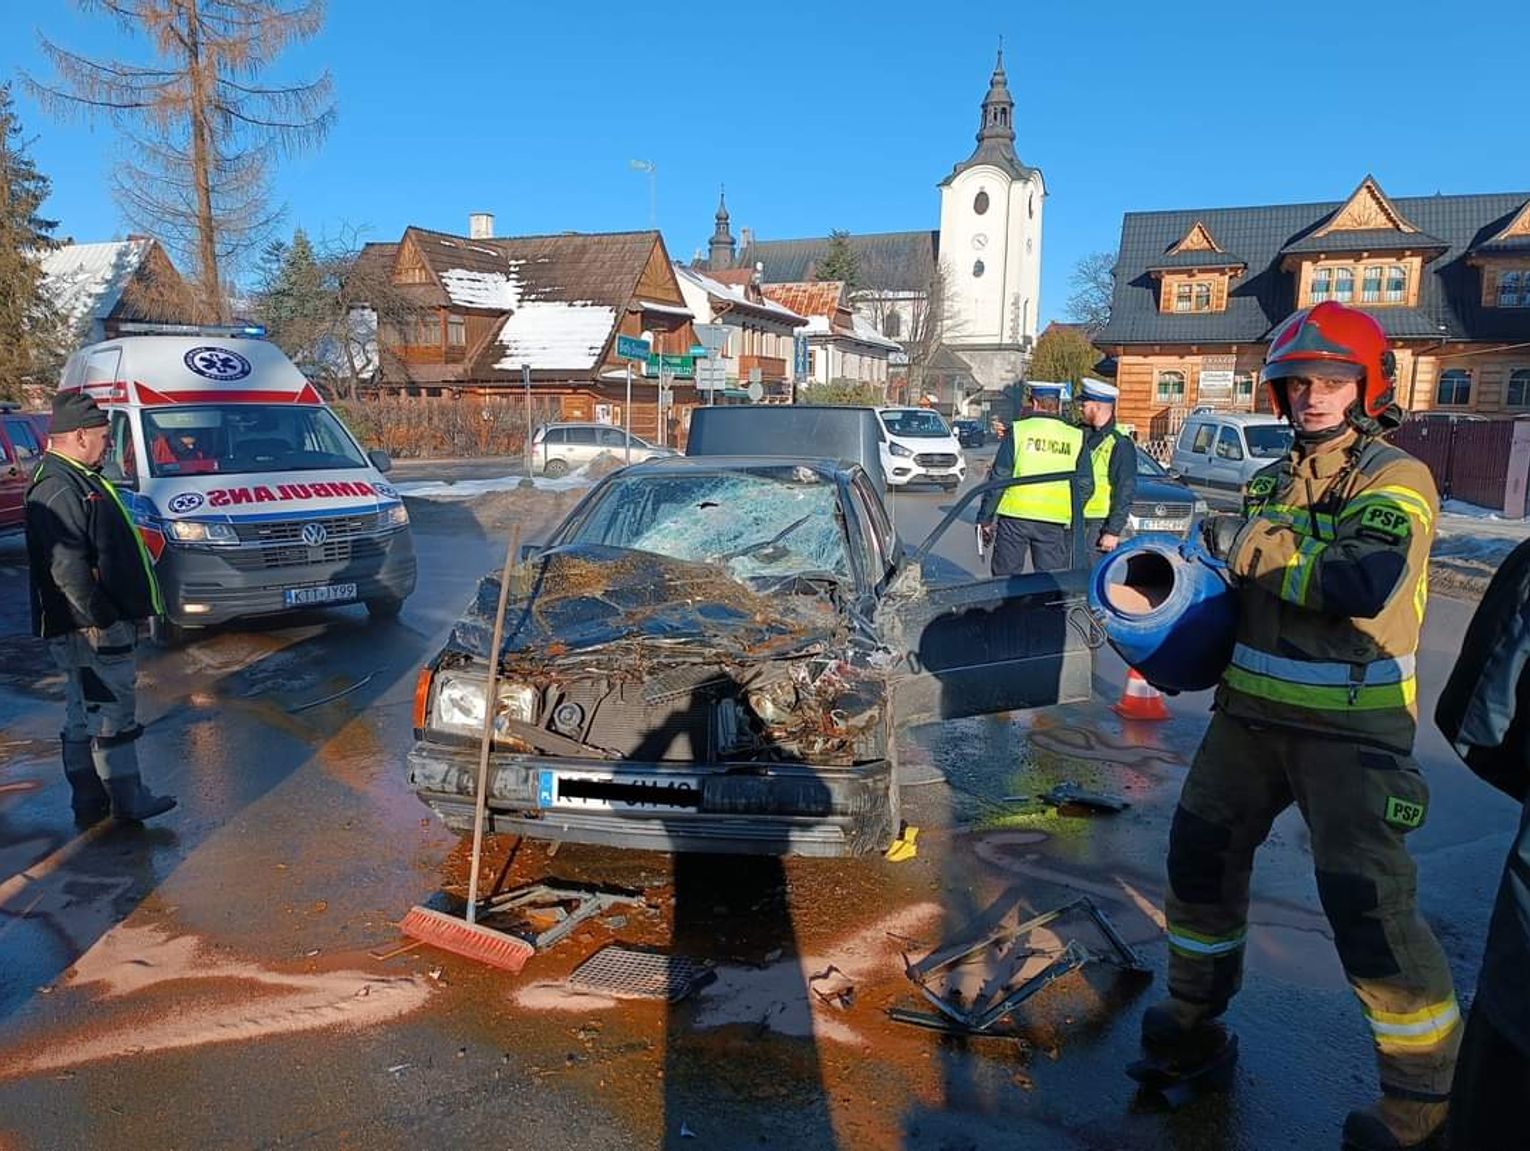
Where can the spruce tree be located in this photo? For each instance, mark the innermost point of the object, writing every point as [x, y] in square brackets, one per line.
[32, 336]
[840, 262]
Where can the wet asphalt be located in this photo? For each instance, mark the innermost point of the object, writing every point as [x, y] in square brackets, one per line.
[214, 979]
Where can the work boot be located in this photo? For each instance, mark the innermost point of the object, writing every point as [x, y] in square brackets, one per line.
[132, 802]
[1394, 1124]
[87, 793]
[1176, 1021]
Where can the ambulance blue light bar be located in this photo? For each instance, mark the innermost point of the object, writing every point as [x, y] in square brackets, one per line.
[226, 331]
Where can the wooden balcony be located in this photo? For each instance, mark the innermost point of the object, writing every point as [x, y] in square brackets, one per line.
[771, 367]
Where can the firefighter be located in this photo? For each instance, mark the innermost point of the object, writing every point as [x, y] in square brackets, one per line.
[1113, 463]
[1034, 519]
[1318, 708]
[1484, 714]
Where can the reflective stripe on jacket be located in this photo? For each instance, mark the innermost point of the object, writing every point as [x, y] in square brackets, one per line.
[1333, 572]
[1098, 506]
[1043, 446]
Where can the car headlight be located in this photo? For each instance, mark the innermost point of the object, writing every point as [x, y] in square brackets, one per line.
[1202, 507]
[459, 704]
[200, 532]
[394, 516]
[899, 450]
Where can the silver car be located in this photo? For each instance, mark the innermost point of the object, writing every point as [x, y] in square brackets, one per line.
[558, 449]
[1225, 449]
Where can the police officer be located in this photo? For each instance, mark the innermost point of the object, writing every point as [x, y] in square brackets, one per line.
[92, 584]
[1113, 464]
[1483, 714]
[1318, 708]
[1034, 518]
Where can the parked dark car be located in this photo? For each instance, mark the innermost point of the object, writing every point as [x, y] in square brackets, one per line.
[711, 654]
[1161, 503]
[970, 433]
[23, 439]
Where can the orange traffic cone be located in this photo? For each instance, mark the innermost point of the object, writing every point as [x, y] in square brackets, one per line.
[1140, 700]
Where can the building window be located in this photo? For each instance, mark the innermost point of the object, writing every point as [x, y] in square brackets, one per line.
[1514, 290]
[1518, 395]
[1243, 385]
[1203, 297]
[1182, 298]
[427, 332]
[977, 269]
[1370, 285]
[980, 203]
[1344, 285]
[1322, 283]
[1397, 284]
[1171, 387]
[1454, 389]
[892, 325]
[456, 331]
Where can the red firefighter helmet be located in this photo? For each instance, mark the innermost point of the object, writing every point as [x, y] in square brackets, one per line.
[1333, 341]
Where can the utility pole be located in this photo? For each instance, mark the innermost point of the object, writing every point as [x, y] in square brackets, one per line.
[627, 413]
[526, 379]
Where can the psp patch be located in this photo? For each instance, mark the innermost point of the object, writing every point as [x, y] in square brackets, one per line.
[221, 364]
[1385, 522]
[1404, 813]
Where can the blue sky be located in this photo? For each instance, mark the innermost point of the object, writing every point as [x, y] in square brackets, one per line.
[847, 115]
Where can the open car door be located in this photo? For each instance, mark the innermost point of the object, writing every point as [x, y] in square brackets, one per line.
[988, 645]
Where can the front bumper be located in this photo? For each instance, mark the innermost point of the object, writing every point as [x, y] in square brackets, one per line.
[215, 591]
[902, 471]
[731, 808]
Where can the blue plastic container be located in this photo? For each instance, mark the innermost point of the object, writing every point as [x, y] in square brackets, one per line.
[1168, 608]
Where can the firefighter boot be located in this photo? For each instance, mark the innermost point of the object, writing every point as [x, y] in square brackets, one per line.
[1395, 1124]
[87, 794]
[1176, 1021]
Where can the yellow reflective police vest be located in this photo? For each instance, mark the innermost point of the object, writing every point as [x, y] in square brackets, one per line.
[1043, 445]
[1315, 522]
[1098, 506]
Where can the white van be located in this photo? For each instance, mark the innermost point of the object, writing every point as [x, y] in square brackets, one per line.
[919, 445]
[1225, 449]
[250, 494]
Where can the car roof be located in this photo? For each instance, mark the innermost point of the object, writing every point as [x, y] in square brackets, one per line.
[835, 469]
[1242, 418]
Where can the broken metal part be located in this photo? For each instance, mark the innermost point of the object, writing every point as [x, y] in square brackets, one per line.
[947, 1026]
[984, 1012]
[543, 900]
[1071, 795]
[332, 696]
[629, 974]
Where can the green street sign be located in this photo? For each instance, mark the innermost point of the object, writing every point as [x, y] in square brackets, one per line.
[676, 367]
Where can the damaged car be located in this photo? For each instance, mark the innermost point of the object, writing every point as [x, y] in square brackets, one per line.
[713, 654]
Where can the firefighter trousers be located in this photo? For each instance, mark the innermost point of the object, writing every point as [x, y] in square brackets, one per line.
[1359, 803]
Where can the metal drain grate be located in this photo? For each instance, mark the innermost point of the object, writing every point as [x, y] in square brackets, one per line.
[628, 974]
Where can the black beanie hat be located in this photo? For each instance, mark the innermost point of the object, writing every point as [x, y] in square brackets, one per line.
[73, 410]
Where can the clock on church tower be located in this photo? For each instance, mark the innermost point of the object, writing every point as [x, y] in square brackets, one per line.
[990, 245]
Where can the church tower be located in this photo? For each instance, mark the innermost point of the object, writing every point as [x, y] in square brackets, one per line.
[720, 249]
[990, 244]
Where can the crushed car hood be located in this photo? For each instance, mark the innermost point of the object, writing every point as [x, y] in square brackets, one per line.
[584, 599]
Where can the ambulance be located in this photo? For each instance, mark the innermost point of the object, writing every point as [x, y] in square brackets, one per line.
[251, 496]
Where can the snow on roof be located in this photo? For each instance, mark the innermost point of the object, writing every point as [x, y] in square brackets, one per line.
[555, 334]
[667, 309]
[469, 289]
[866, 333]
[88, 280]
[735, 292]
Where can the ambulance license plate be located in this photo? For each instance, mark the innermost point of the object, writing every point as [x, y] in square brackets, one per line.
[333, 593]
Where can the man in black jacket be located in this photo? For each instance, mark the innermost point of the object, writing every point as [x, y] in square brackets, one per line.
[1484, 712]
[92, 585]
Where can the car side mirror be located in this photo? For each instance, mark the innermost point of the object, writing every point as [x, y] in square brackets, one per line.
[381, 461]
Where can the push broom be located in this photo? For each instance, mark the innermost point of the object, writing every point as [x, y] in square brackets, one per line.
[467, 937]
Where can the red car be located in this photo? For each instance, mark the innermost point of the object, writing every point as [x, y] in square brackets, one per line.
[23, 436]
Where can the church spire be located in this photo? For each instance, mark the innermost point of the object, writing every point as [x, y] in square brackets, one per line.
[721, 249]
[998, 122]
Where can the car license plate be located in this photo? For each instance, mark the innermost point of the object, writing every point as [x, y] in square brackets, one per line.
[1175, 526]
[579, 791]
[333, 593]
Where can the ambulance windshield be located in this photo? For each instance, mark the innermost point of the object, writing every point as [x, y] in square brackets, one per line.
[230, 439]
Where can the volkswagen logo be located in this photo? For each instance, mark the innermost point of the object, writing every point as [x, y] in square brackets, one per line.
[217, 363]
[314, 535]
[1159, 510]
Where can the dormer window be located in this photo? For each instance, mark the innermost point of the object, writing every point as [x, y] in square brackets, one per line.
[1397, 284]
[1370, 285]
[1514, 290]
[1322, 284]
[1344, 285]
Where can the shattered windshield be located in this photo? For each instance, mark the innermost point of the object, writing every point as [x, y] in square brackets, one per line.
[765, 522]
[916, 423]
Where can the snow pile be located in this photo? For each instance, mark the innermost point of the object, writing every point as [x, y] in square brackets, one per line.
[1473, 511]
